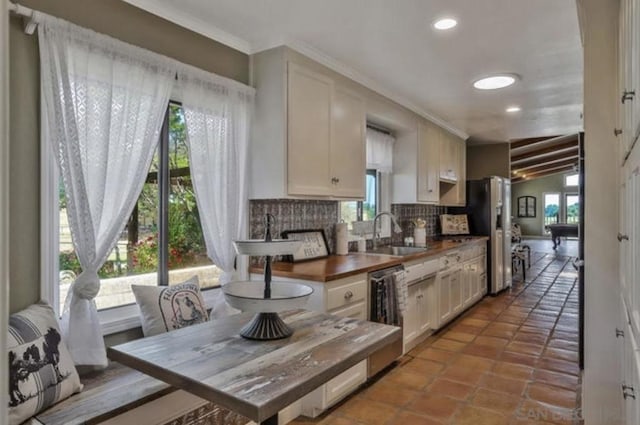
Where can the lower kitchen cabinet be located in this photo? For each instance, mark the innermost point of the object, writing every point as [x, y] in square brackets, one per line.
[418, 317]
[460, 283]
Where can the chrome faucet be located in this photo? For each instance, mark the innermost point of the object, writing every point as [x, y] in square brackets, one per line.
[396, 227]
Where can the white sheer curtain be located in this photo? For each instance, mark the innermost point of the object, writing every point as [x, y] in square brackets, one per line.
[103, 103]
[217, 114]
[380, 151]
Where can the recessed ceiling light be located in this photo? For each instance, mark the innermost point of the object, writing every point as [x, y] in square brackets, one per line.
[512, 109]
[445, 24]
[495, 82]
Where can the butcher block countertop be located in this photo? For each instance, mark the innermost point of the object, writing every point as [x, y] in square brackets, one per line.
[340, 266]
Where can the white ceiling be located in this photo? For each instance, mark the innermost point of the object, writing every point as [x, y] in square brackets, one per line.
[391, 47]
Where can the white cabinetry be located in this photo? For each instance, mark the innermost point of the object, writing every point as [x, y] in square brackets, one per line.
[453, 160]
[308, 137]
[428, 164]
[421, 298]
[461, 282]
[346, 297]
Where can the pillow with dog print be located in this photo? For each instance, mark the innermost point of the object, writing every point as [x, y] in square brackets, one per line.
[165, 308]
[41, 370]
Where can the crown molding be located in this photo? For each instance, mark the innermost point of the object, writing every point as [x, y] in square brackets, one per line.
[178, 17]
[371, 84]
[196, 25]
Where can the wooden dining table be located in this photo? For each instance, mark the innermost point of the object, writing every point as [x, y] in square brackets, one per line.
[256, 379]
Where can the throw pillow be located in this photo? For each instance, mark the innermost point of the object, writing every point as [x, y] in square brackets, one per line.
[165, 308]
[41, 370]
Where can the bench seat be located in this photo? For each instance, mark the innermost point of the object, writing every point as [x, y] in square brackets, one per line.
[118, 390]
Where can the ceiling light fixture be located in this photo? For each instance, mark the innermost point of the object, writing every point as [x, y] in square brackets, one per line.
[512, 109]
[445, 24]
[495, 82]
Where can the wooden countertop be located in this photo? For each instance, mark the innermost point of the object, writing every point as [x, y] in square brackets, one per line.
[340, 266]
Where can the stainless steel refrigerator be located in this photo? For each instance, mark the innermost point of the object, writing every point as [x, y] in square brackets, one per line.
[489, 213]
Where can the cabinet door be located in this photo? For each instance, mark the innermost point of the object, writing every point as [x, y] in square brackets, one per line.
[410, 324]
[309, 124]
[444, 299]
[425, 305]
[469, 286]
[447, 155]
[428, 164]
[461, 186]
[348, 161]
[456, 291]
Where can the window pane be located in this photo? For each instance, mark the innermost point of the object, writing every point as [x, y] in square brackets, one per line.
[134, 259]
[369, 206]
[187, 250]
[573, 208]
[551, 208]
[571, 180]
[349, 212]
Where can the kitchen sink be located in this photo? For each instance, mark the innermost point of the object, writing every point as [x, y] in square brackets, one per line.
[398, 250]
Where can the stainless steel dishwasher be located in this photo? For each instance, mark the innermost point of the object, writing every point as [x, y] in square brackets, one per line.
[385, 307]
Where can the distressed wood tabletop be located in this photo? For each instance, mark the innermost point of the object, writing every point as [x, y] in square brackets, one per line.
[256, 378]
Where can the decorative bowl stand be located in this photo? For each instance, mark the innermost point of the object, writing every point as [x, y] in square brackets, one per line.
[274, 297]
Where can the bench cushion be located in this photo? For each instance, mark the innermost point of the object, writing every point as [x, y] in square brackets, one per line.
[106, 394]
[41, 370]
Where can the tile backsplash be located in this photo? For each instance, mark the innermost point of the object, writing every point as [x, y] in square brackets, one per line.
[406, 213]
[292, 214]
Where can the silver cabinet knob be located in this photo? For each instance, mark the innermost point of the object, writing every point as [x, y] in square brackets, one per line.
[348, 295]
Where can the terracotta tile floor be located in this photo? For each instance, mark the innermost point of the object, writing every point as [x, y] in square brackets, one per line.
[510, 359]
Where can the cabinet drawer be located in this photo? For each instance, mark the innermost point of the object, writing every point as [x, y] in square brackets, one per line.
[346, 294]
[346, 382]
[413, 272]
[355, 311]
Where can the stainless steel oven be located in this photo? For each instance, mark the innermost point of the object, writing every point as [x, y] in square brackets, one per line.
[386, 307]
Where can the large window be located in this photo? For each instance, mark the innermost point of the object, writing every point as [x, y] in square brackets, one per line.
[162, 242]
[367, 209]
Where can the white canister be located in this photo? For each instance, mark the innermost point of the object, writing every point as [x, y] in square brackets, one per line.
[362, 245]
[342, 239]
[420, 236]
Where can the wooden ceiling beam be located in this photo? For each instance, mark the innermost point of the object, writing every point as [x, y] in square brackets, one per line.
[542, 174]
[566, 146]
[523, 165]
[547, 166]
[521, 143]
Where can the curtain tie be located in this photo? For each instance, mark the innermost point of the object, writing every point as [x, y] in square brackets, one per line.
[87, 285]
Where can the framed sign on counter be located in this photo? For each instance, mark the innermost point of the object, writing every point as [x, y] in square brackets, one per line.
[314, 244]
[526, 206]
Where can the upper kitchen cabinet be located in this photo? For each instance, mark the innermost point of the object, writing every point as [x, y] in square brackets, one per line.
[416, 168]
[428, 163]
[309, 132]
[453, 174]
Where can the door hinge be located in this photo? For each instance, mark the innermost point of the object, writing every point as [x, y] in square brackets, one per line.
[628, 392]
[628, 95]
[622, 237]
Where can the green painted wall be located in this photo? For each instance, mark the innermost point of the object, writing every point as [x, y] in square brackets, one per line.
[554, 183]
[488, 160]
[112, 17]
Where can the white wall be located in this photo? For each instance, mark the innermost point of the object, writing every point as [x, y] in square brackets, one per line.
[4, 205]
[601, 380]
